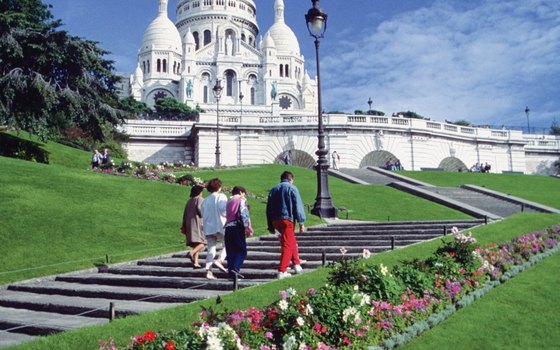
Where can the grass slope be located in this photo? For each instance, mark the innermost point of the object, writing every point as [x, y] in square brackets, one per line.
[58, 219]
[537, 188]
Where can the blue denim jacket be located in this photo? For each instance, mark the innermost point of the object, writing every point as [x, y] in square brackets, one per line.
[284, 203]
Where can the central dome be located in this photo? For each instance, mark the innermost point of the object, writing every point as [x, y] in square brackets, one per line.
[162, 33]
[284, 38]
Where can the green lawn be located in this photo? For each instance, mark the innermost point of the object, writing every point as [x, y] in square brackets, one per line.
[81, 216]
[537, 188]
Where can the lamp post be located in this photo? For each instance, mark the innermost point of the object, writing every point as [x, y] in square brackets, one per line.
[241, 101]
[527, 110]
[316, 21]
[217, 90]
[369, 102]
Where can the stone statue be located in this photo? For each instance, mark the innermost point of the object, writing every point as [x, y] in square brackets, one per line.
[273, 92]
[189, 88]
[379, 140]
[229, 46]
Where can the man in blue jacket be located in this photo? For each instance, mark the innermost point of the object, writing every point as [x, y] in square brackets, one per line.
[283, 210]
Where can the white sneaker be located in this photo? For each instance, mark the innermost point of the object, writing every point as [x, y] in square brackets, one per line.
[282, 275]
[298, 269]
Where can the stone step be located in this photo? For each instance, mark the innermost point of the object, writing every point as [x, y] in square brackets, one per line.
[90, 307]
[10, 338]
[153, 295]
[337, 242]
[332, 237]
[168, 270]
[42, 323]
[186, 264]
[149, 282]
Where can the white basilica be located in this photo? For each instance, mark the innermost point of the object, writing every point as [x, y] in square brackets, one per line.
[268, 107]
[219, 40]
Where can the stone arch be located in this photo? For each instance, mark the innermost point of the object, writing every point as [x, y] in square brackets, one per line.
[453, 164]
[377, 158]
[299, 158]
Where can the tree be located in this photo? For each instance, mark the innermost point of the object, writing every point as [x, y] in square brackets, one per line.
[133, 107]
[50, 80]
[410, 114]
[461, 122]
[170, 108]
[374, 112]
[555, 128]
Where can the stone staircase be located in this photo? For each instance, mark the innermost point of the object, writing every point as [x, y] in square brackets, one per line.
[476, 201]
[496, 206]
[69, 301]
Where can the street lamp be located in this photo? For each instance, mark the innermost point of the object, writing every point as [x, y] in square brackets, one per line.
[217, 90]
[369, 102]
[527, 110]
[316, 21]
[241, 101]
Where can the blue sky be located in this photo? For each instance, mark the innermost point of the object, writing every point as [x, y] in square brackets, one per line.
[479, 60]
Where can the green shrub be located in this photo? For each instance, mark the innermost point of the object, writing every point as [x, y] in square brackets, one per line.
[14, 147]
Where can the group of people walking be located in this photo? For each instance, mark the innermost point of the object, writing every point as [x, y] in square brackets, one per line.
[215, 218]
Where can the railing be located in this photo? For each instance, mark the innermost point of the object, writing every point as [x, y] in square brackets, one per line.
[263, 116]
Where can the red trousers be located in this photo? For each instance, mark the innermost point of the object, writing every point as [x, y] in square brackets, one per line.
[288, 244]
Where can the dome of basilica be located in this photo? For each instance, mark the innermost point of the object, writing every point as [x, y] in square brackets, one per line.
[284, 38]
[162, 33]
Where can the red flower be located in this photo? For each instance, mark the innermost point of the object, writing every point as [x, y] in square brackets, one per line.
[149, 336]
[170, 345]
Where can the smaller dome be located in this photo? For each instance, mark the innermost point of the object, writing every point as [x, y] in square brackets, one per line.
[162, 33]
[268, 42]
[138, 74]
[189, 38]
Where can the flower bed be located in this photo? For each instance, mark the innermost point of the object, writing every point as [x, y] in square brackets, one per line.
[364, 305]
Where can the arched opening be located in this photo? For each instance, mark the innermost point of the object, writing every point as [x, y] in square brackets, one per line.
[298, 158]
[207, 37]
[196, 40]
[230, 77]
[378, 159]
[453, 164]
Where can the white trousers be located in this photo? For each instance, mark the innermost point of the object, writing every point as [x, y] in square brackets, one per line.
[212, 249]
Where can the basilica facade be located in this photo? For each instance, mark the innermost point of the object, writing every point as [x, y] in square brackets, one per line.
[215, 40]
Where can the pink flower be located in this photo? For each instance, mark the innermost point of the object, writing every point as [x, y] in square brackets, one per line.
[268, 335]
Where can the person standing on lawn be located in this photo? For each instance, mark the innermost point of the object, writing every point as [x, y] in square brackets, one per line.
[238, 225]
[283, 210]
[192, 225]
[213, 219]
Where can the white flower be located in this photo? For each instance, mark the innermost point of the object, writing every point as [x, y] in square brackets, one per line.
[343, 250]
[303, 346]
[384, 269]
[283, 305]
[454, 230]
[366, 254]
[291, 292]
[300, 322]
[349, 311]
[214, 343]
[290, 343]
[356, 287]
[308, 310]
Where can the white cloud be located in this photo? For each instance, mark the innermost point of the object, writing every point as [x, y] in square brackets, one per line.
[452, 60]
